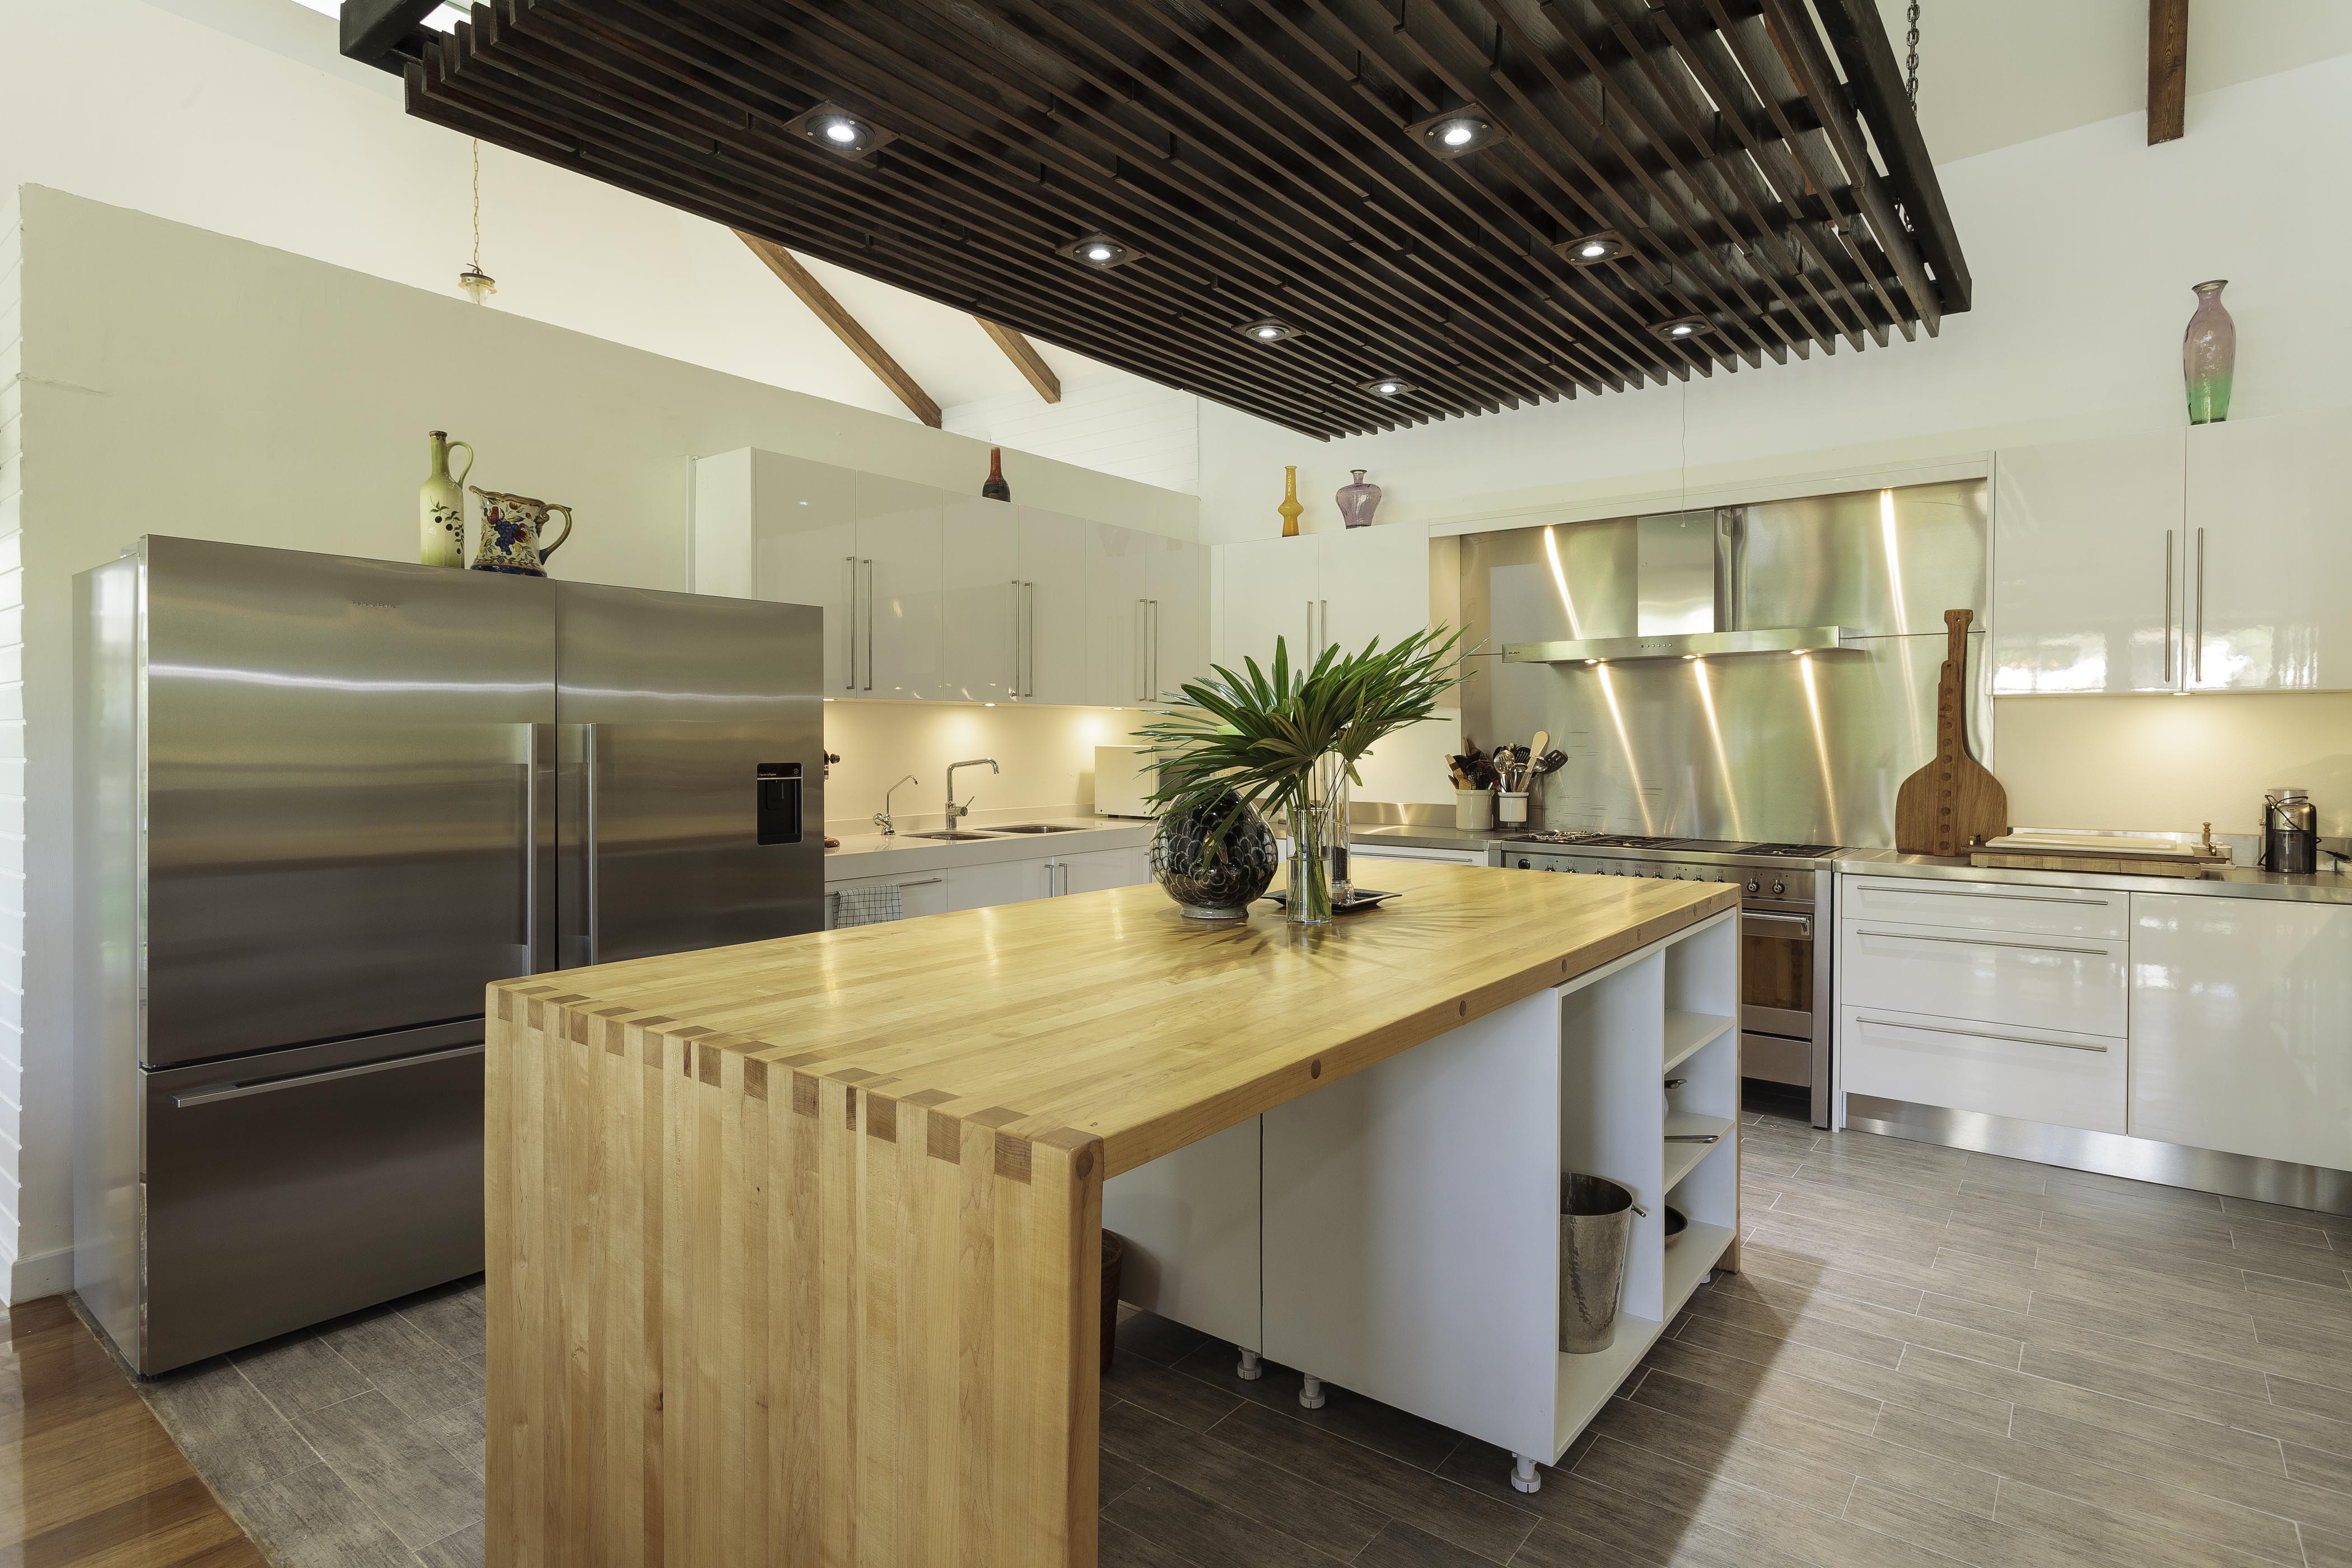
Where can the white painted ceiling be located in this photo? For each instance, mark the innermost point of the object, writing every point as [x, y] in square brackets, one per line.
[1996, 72]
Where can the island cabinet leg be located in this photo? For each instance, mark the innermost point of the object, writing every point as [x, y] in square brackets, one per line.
[742, 1315]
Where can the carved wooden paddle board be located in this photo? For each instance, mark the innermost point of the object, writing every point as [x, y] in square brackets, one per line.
[1952, 801]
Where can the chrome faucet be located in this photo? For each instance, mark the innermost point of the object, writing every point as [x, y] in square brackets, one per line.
[955, 811]
[882, 817]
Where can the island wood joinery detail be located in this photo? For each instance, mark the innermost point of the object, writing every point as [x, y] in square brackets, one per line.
[793, 1247]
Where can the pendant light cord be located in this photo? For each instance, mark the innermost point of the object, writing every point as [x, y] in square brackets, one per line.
[1911, 77]
[478, 186]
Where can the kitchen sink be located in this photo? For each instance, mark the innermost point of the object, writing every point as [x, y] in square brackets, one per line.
[958, 837]
[1036, 827]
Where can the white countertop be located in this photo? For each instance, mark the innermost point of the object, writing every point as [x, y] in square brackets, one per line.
[876, 855]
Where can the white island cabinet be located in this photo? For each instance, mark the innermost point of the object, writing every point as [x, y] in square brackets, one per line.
[2241, 1026]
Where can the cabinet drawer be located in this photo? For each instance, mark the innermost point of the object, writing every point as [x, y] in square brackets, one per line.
[1986, 906]
[2070, 984]
[2064, 1079]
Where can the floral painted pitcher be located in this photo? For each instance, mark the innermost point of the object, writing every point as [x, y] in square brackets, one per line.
[512, 529]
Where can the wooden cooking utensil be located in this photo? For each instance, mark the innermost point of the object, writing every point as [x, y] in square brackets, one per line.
[1542, 744]
[1952, 801]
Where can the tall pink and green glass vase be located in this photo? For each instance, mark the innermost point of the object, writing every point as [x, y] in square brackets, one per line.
[2209, 356]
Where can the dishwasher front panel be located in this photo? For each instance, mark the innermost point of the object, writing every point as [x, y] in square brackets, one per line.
[288, 1187]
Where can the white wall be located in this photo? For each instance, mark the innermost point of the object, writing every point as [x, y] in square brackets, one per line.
[1110, 420]
[1047, 756]
[12, 739]
[182, 382]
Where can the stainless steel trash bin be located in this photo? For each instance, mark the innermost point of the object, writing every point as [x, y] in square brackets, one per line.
[1596, 1228]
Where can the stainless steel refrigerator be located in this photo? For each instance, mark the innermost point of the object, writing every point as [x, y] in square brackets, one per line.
[321, 804]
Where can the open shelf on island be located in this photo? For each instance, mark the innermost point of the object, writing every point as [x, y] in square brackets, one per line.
[1681, 1157]
[1690, 1260]
[1586, 1382]
[1687, 1034]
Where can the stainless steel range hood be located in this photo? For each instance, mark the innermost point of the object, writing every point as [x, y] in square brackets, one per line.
[1688, 572]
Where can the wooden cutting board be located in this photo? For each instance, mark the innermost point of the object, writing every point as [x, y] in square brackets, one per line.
[1952, 802]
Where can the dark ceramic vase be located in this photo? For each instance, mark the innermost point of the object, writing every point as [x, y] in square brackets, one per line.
[1214, 877]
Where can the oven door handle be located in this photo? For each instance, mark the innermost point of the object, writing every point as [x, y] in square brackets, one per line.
[1804, 924]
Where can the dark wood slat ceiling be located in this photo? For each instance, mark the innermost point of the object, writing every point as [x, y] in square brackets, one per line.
[1757, 156]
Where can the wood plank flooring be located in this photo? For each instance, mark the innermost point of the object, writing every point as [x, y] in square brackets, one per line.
[88, 1478]
[1932, 1358]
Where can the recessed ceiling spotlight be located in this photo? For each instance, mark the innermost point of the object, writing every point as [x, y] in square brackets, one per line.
[1387, 386]
[1458, 131]
[1592, 249]
[840, 131]
[1683, 327]
[1268, 331]
[1099, 251]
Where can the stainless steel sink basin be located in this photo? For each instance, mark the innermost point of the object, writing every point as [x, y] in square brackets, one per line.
[1035, 828]
[954, 836]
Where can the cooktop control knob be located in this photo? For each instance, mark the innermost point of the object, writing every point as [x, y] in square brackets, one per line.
[1523, 863]
[1754, 886]
[1778, 887]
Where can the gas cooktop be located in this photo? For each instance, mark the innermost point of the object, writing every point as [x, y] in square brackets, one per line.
[1686, 845]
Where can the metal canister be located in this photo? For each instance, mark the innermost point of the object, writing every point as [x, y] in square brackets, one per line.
[1596, 1228]
[2290, 831]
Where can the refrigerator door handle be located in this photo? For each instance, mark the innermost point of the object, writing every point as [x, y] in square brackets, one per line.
[304, 1081]
[538, 744]
[591, 848]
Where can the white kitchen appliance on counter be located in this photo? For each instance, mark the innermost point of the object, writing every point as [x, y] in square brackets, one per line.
[1125, 777]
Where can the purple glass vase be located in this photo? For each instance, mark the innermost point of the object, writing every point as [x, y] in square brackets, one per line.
[2209, 356]
[1357, 502]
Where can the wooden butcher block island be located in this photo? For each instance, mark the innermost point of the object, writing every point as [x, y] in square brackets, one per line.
[794, 1246]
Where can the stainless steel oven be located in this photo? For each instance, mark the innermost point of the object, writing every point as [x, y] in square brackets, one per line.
[1786, 934]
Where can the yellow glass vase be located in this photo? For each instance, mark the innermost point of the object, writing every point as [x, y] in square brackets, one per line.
[1290, 508]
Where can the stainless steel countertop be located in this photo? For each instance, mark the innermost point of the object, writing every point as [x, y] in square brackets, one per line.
[2236, 882]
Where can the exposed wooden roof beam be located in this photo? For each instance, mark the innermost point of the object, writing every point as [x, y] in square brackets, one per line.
[1026, 359]
[2168, 69]
[834, 314]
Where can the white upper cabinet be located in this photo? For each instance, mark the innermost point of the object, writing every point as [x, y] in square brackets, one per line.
[2089, 566]
[2239, 1033]
[803, 548]
[980, 601]
[1053, 627]
[897, 612]
[1269, 587]
[1147, 614]
[1180, 616]
[2269, 543]
[1319, 589]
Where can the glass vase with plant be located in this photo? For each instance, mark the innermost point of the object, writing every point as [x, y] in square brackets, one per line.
[1287, 740]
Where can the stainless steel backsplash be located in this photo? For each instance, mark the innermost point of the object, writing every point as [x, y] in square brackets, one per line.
[1758, 747]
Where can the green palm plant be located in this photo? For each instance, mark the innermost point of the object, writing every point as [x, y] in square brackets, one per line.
[1263, 734]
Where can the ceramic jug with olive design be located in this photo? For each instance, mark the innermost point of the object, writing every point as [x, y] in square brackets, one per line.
[512, 530]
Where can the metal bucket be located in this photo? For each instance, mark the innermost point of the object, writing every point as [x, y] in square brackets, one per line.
[1596, 1228]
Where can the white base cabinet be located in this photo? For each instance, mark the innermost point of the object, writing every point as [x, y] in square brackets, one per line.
[1405, 1241]
[1009, 881]
[2241, 1026]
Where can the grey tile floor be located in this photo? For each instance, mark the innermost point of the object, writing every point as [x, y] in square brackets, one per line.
[1930, 1357]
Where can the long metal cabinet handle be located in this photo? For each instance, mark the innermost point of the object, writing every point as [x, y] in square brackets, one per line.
[2197, 648]
[1323, 638]
[869, 626]
[1983, 941]
[1310, 622]
[239, 1090]
[2004, 898]
[2168, 606]
[849, 627]
[1014, 690]
[1153, 694]
[1142, 659]
[1977, 1034]
[926, 882]
[1029, 640]
[589, 835]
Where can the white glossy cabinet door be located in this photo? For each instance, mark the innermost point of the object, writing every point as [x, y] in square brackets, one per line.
[804, 552]
[1270, 587]
[1098, 869]
[2270, 543]
[897, 602]
[2084, 599]
[979, 601]
[2072, 984]
[1005, 882]
[1180, 616]
[1373, 583]
[2241, 1026]
[1118, 595]
[1052, 607]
